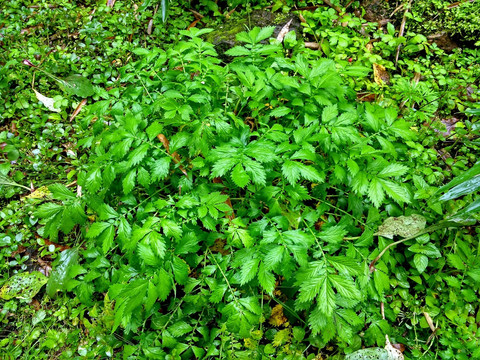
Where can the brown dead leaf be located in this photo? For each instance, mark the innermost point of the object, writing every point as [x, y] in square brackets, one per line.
[277, 318]
[150, 27]
[284, 31]
[193, 24]
[380, 75]
[176, 158]
[78, 109]
[365, 97]
[219, 246]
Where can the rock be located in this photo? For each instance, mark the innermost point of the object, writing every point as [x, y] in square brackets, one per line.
[224, 37]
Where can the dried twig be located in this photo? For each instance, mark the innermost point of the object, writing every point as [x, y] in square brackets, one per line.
[402, 30]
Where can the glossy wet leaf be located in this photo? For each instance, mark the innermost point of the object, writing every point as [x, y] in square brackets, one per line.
[464, 188]
[77, 85]
[60, 274]
[23, 286]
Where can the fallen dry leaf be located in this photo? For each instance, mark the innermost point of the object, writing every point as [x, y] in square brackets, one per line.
[380, 75]
[277, 318]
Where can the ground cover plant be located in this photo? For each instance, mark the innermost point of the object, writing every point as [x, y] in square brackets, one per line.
[291, 203]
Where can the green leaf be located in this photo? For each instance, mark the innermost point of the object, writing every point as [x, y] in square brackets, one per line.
[171, 228]
[467, 175]
[239, 176]
[280, 111]
[326, 297]
[333, 234]
[137, 155]
[180, 270]
[375, 192]
[61, 192]
[393, 170]
[249, 270]
[151, 297]
[255, 171]
[293, 170]
[264, 33]
[395, 191]
[238, 51]
[463, 188]
[266, 279]
[129, 181]
[160, 168]
[345, 287]
[164, 284]
[345, 265]
[273, 257]
[421, 262]
[60, 274]
[146, 254]
[106, 238]
[96, 229]
[23, 285]
[48, 210]
[77, 85]
[329, 113]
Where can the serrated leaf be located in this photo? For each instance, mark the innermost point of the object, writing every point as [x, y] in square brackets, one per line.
[266, 279]
[180, 270]
[326, 297]
[159, 168]
[146, 254]
[421, 262]
[280, 111]
[375, 192]
[264, 33]
[393, 170]
[395, 191]
[329, 113]
[256, 171]
[96, 229]
[273, 257]
[170, 228]
[293, 170]
[151, 296]
[345, 265]
[345, 287]
[238, 51]
[137, 155]
[164, 284]
[129, 181]
[153, 130]
[106, 238]
[239, 176]
[48, 210]
[249, 270]
[333, 234]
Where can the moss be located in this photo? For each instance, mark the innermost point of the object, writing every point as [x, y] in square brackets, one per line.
[224, 37]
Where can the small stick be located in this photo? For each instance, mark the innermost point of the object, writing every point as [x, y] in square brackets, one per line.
[336, 8]
[402, 30]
